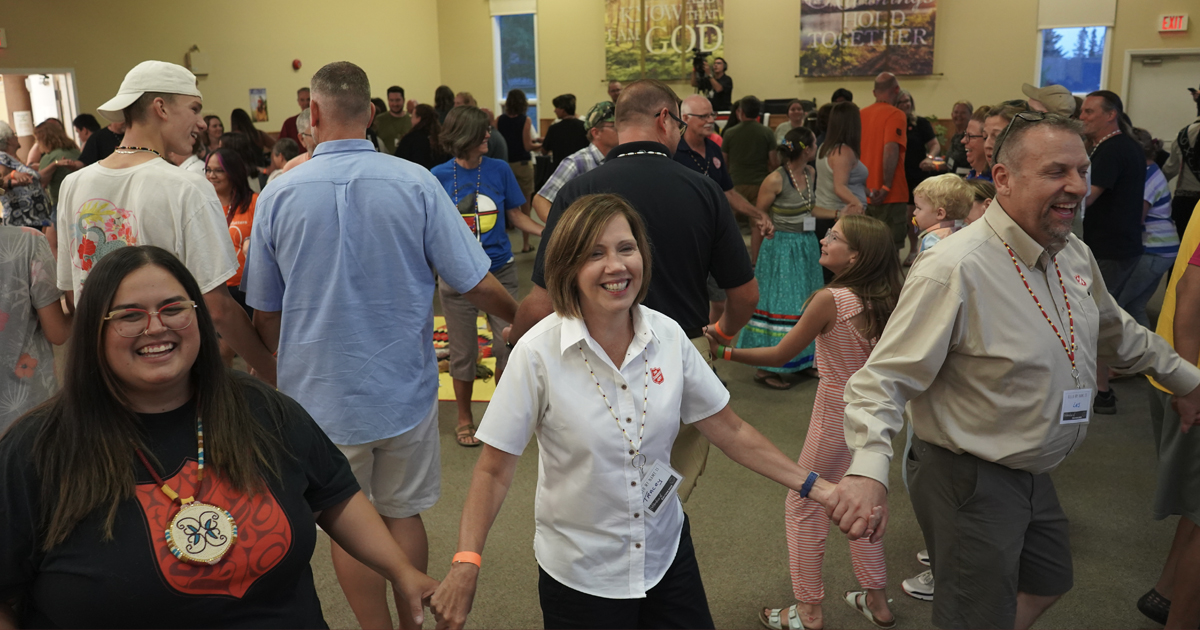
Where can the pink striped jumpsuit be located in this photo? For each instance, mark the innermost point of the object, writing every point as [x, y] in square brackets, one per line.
[840, 353]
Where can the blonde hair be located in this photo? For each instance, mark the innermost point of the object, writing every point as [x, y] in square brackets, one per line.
[949, 192]
[576, 233]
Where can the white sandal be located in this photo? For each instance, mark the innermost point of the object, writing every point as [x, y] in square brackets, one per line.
[772, 620]
[858, 601]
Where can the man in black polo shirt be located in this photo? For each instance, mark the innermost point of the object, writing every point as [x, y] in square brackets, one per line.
[697, 152]
[1112, 225]
[692, 232]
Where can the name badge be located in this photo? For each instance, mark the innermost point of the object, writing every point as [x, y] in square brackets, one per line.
[659, 485]
[810, 224]
[1076, 406]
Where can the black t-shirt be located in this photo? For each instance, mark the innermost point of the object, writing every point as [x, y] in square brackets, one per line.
[919, 133]
[1112, 225]
[721, 101]
[711, 164]
[564, 138]
[133, 581]
[99, 146]
[691, 228]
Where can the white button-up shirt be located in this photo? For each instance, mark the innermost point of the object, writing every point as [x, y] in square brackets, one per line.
[592, 533]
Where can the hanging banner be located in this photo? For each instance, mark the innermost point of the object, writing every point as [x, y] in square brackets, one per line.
[866, 37]
[660, 39]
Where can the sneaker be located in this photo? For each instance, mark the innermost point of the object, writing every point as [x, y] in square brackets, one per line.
[920, 587]
[923, 557]
[1105, 403]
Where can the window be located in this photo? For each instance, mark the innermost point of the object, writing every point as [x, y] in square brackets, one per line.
[1075, 58]
[515, 42]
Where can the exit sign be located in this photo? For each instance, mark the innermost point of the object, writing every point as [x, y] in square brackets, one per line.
[1172, 23]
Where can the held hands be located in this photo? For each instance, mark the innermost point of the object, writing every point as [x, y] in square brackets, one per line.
[716, 339]
[452, 601]
[766, 227]
[858, 505]
[413, 590]
[17, 178]
[875, 196]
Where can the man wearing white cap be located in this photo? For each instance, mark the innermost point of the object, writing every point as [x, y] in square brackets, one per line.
[1056, 99]
[134, 197]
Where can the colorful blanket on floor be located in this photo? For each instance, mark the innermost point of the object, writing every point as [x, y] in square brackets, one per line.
[484, 388]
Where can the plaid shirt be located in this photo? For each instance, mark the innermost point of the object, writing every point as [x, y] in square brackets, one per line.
[571, 167]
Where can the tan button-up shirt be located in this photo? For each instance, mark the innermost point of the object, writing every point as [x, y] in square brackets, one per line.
[983, 371]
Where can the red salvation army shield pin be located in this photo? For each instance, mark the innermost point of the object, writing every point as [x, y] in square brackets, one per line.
[1080, 280]
[656, 375]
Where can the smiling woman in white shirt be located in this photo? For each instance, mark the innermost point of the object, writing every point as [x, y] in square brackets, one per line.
[603, 383]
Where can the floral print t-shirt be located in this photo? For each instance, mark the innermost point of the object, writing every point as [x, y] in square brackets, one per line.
[27, 283]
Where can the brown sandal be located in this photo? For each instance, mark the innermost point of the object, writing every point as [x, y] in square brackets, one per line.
[464, 436]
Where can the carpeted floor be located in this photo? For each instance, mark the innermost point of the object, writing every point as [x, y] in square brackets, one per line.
[1106, 488]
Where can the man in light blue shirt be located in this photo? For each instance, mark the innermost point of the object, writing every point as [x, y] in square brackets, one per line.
[341, 274]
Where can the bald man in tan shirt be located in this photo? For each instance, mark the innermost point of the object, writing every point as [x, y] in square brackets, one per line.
[994, 344]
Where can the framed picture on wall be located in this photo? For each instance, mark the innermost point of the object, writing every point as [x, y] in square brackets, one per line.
[258, 104]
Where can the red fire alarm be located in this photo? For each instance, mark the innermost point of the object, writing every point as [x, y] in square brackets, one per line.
[295, 64]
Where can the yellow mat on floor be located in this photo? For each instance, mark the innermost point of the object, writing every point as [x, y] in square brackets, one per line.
[483, 388]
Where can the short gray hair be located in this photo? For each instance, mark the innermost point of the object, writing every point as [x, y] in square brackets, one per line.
[6, 133]
[342, 88]
[1010, 144]
[464, 129]
[304, 122]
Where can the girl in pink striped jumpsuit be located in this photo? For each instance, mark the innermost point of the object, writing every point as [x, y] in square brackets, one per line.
[846, 319]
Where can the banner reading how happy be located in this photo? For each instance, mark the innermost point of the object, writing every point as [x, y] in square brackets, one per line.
[866, 37]
[655, 39]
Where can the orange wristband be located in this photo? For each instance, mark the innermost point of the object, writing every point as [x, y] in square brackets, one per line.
[468, 556]
[720, 333]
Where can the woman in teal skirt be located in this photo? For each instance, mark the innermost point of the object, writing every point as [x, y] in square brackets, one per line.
[787, 268]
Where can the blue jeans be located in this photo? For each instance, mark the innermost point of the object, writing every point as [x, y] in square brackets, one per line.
[1142, 284]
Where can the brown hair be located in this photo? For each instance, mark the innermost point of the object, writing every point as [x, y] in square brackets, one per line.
[50, 136]
[137, 111]
[980, 115]
[85, 435]
[845, 129]
[981, 189]
[516, 104]
[576, 233]
[464, 129]
[875, 276]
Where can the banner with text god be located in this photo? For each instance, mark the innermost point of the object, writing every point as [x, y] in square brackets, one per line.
[657, 39]
[866, 37]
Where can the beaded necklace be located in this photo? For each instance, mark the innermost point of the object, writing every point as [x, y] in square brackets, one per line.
[805, 195]
[644, 152]
[1097, 145]
[478, 181]
[638, 460]
[206, 532]
[1070, 319]
[124, 150]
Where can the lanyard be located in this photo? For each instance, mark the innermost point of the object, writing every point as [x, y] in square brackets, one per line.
[478, 191]
[635, 450]
[1070, 319]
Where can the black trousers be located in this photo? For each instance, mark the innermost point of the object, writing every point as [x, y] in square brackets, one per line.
[677, 601]
[1182, 205]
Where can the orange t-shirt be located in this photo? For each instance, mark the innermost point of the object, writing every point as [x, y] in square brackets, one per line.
[881, 124]
[239, 231]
